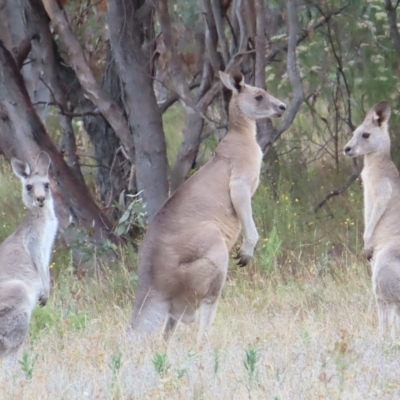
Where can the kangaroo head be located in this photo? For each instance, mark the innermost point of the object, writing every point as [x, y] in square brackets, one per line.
[372, 135]
[254, 102]
[35, 183]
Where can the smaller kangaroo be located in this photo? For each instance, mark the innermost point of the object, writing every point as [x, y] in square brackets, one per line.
[183, 259]
[381, 212]
[25, 257]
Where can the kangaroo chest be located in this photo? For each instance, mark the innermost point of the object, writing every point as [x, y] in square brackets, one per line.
[247, 167]
[39, 240]
[255, 169]
[49, 234]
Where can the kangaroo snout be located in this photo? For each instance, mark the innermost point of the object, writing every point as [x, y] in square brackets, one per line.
[347, 151]
[40, 200]
[280, 110]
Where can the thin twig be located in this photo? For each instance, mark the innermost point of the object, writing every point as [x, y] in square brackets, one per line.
[270, 57]
[94, 113]
[174, 98]
[92, 88]
[338, 191]
[94, 166]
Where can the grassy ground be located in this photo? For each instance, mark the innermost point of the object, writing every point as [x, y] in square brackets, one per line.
[299, 322]
[305, 339]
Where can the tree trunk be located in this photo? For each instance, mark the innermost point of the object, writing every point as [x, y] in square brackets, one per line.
[111, 166]
[195, 106]
[78, 61]
[391, 12]
[13, 32]
[113, 170]
[37, 26]
[24, 135]
[144, 116]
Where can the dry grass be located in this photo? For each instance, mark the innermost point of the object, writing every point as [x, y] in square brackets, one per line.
[304, 340]
[275, 336]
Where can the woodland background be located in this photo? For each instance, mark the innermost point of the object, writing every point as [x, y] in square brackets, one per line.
[124, 95]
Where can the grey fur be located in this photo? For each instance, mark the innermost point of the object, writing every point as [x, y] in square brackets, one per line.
[25, 256]
[184, 256]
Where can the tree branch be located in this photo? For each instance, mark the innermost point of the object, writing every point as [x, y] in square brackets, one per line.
[97, 95]
[178, 77]
[93, 113]
[216, 8]
[211, 36]
[339, 62]
[29, 136]
[260, 44]
[292, 71]
[23, 50]
[392, 18]
[342, 189]
[271, 56]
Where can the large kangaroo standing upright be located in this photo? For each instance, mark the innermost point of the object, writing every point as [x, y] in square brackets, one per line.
[183, 260]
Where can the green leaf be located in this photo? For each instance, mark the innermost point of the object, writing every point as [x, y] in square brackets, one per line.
[119, 230]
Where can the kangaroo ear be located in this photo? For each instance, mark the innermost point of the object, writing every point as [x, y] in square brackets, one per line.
[20, 168]
[233, 81]
[42, 163]
[380, 113]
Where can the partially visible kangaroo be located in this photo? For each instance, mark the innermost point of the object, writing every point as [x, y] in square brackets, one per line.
[183, 260]
[25, 257]
[381, 212]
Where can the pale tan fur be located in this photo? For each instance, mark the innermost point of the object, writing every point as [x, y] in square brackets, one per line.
[184, 256]
[381, 211]
[25, 257]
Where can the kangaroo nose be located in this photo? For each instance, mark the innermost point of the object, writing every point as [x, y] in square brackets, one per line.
[347, 149]
[282, 107]
[40, 199]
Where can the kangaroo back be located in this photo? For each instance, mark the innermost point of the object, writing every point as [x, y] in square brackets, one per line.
[25, 256]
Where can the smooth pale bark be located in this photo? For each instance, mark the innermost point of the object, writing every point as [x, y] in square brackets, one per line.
[134, 70]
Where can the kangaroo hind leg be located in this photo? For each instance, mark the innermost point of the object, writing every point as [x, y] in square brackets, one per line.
[384, 313]
[148, 314]
[169, 326]
[219, 258]
[14, 319]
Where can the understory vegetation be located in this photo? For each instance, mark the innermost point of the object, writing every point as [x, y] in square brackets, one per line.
[298, 322]
[275, 338]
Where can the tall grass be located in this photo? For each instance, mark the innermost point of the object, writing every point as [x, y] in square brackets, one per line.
[299, 322]
[304, 339]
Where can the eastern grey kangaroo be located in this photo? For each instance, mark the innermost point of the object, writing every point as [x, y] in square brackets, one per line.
[183, 260]
[381, 211]
[25, 257]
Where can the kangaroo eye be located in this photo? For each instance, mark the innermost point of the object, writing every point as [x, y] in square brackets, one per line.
[28, 188]
[365, 135]
[46, 185]
[259, 97]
